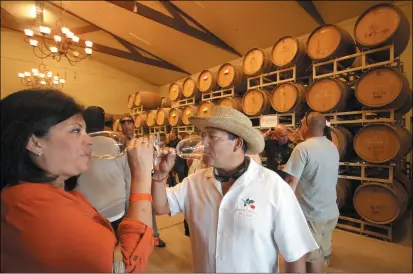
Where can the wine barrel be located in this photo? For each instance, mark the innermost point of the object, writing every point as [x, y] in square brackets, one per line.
[151, 118]
[175, 91]
[162, 116]
[380, 203]
[381, 25]
[406, 107]
[343, 189]
[190, 89]
[257, 61]
[231, 102]
[327, 94]
[343, 140]
[330, 41]
[289, 51]
[147, 99]
[165, 102]
[231, 75]
[175, 117]
[140, 119]
[205, 109]
[116, 125]
[131, 100]
[382, 87]
[188, 112]
[207, 81]
[380, 143]
[256, 102]
[288, 97]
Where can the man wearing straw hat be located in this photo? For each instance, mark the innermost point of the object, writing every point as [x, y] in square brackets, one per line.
[240, 214]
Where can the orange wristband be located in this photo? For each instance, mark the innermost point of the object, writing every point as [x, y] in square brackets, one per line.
[160, 181]
[140, 197]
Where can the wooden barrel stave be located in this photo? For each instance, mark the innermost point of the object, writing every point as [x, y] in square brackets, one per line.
[175, 91]
[256, 102]
[342, 138]
[344, 188]
[207, 81]
[131, 101]
[231, 102]
[147, 99]
[382, 25]
[205, 109]
[231, 76]
[330, 41]
[288, 97]
[328, 94]
[162, 117]
[257, 61]
[380, 143]
[151, 118]
[289, 51]
[190, 89]
[187, 112]
[382, 87]
[175, 117]
[380, 203]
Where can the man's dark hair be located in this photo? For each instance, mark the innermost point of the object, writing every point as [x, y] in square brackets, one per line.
[94, 118]
[23, 114]
[232, 136]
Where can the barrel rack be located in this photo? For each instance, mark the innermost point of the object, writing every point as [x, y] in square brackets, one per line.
[272, 78]
[184, 129]
[136, 110]
[218, 94]
[183, 103]
[359, 170]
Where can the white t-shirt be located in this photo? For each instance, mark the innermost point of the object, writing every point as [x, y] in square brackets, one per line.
[244, 230]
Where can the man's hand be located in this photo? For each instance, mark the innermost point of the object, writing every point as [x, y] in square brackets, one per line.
[164, 162]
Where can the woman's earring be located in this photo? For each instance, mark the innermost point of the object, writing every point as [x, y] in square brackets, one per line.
[38, 154]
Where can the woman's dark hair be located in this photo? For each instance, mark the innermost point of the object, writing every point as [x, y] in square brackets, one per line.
[23, 114]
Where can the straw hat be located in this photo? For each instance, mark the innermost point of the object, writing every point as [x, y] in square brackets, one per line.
[233, 121]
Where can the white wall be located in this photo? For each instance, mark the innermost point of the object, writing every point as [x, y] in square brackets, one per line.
[90, 82]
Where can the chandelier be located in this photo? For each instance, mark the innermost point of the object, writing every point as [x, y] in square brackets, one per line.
[41, 77]
[56, 42]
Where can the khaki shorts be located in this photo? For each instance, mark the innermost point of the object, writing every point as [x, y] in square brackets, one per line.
[323, 235]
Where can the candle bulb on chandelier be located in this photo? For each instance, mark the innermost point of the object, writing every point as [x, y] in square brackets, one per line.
[45, 30]
[28, 32]
[21, 75]
[27, 73]
[88, 44]
[53, 49]
[43, 82]
[69, 34]
[65, 30]
[41, 75]
[33, 42]
[62, 81]
[57, 38]
[88, 51]
[75, 39]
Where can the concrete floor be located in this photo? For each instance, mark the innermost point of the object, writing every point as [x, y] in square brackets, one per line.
[351, 252]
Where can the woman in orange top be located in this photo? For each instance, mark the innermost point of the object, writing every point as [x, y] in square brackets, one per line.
[46, 226]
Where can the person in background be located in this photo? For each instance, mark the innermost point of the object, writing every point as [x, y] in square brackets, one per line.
[128, 129]
[181, 167]
[106, 184]
[46, 225]
[240, 214]
[313, 170]
[278, 148]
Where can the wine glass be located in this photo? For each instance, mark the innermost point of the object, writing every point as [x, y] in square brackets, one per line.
[190, 148]
[278, 158]
[108, 144]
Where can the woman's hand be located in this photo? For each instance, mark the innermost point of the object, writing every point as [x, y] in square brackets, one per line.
[164, 162]
[140, 156]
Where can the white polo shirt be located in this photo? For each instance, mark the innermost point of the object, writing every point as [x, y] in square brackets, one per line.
[243, 230]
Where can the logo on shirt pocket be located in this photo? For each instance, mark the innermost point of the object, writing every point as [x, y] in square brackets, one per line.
[249, 202]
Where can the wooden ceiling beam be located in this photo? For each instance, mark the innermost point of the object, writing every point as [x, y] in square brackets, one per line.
[309, 7]
[176, 22]
[84, 29]
[133, 53]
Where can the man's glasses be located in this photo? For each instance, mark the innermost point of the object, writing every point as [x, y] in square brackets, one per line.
[126, 121]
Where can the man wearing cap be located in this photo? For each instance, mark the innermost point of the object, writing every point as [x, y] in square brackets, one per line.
[128, 129]
[313, 170]
[240, 214]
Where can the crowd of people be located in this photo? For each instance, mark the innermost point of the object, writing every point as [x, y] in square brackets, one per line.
[64, 211]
